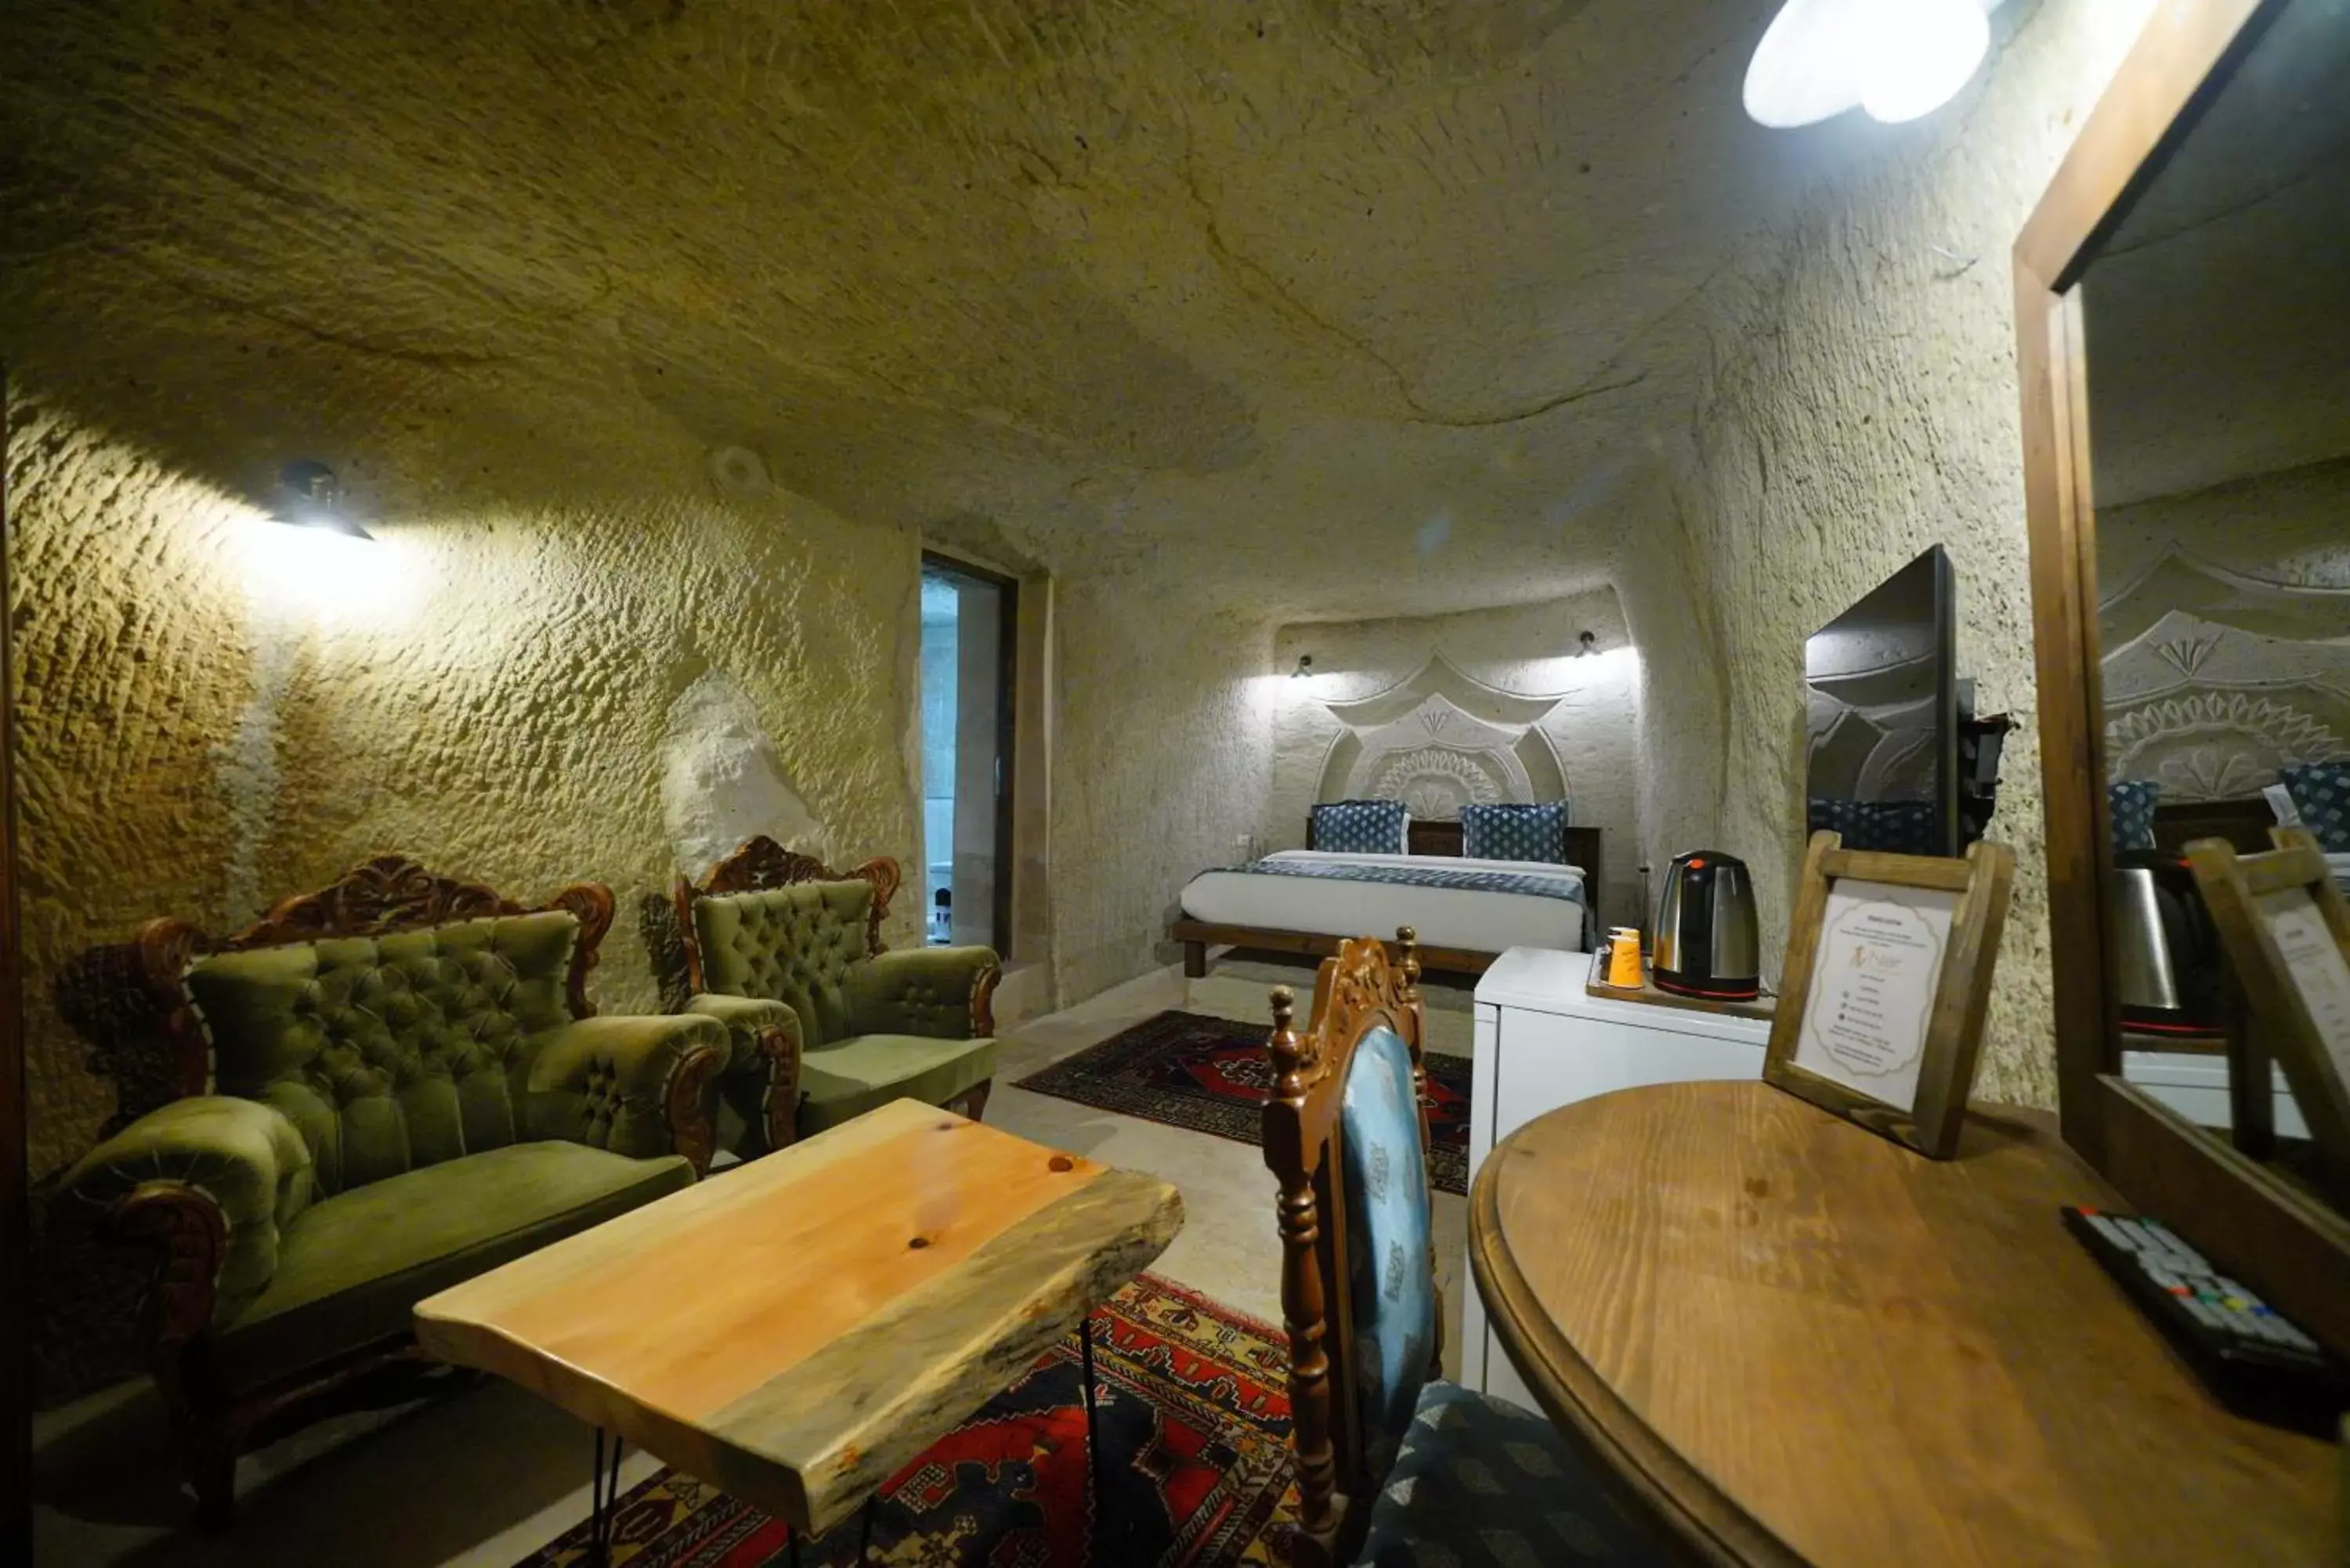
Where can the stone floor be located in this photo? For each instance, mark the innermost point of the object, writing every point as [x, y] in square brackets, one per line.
[484, 1477]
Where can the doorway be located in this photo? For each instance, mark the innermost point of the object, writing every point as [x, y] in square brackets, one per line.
[969, 650]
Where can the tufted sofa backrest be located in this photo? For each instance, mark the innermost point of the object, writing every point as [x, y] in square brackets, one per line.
[792, 944]
[394, 1052]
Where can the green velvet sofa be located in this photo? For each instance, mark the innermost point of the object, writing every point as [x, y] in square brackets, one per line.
[773, 942]
[385, 1088]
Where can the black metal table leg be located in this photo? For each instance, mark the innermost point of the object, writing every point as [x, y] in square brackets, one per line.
[864, 1527]
[604, 1496]
[1093, 1427]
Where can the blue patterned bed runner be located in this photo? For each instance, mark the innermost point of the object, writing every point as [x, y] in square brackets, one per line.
[1566, 887]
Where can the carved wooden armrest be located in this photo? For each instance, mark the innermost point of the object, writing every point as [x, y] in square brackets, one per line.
[781, 1106]
[186, 1227]
[685, 1106]
[982, 1002]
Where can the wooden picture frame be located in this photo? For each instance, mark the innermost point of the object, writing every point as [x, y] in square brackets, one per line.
[1951, 936]
[2297, 1004]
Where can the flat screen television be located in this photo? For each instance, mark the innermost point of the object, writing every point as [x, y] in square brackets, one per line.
[1881, 762]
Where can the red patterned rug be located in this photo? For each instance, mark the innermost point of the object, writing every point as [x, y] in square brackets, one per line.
[1212, 1076]
[1193, 1403]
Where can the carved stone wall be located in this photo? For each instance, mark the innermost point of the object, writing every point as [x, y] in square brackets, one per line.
[1864, 405]
[492, 685]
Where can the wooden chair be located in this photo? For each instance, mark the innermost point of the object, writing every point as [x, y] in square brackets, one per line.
[1393, 1466]
[776, 945]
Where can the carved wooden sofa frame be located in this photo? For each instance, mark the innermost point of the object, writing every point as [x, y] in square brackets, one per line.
[759, 864]
[185, 1226]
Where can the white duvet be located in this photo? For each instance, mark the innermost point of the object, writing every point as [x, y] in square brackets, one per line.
[1470, 920]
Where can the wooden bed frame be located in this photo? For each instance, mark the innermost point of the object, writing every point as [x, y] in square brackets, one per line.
[1432, 839]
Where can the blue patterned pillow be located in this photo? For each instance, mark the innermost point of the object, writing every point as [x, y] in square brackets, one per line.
[2321, 792]
[1889, 826]
[1514, 832]
[1390, 1285]
[2130, 803]
[1361, 826]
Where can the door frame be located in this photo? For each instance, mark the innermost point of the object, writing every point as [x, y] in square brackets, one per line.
[1007, 675]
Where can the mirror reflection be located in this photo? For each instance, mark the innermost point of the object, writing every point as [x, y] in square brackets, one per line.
[2217, 322]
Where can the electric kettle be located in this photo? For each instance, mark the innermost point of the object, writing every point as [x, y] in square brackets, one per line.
[1706, 941]
[2167, 954]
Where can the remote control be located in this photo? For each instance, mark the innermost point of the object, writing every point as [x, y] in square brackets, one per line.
[2255, 1362]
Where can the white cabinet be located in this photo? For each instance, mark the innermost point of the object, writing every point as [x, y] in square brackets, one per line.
[2196, 1086]
[1544, 1042]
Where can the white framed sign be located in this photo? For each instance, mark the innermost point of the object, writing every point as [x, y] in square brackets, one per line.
[1889, 973]
[1878, 965]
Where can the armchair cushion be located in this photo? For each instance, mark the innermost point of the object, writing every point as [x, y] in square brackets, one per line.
[793, 944]
[394, 1052]
[603, 1082]
[247, 1157]
[844, 1081]
[350, 1268]
[921, 991]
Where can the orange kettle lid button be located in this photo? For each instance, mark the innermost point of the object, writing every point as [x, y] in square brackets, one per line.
[1697, 863]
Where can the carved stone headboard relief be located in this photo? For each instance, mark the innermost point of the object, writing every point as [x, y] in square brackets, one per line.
[1440, 741]
[2213, 680]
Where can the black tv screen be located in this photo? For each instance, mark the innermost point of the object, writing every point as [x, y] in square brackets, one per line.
[1882, 722]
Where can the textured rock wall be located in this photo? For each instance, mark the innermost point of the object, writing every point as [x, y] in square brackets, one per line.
[1529, 650]
[1163, 751]
[1862, 405]
[561, 680]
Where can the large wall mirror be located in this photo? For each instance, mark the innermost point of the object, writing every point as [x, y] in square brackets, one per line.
[2184, 318]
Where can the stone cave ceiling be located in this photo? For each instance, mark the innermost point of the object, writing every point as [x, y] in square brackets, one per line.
[1336, 306]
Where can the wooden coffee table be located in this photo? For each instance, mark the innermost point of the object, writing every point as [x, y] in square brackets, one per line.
[796, 1331]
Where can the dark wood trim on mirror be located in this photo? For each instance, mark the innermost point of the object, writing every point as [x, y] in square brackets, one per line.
[15, 1215]
[2280, 1239]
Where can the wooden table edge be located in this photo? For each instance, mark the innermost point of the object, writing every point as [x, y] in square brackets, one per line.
[596, 1402]
[1695, 1512]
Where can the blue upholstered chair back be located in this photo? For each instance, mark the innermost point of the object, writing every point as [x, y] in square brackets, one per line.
[1389, 1286]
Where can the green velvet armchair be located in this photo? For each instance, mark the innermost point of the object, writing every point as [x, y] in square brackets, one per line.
[775, 941]
[385, 1088]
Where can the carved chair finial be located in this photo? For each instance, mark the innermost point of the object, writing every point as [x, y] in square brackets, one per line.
[1288, 1049]
[1407, 940]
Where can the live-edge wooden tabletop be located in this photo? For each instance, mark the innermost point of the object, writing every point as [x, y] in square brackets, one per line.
[796, 1331]
[1799, 1343]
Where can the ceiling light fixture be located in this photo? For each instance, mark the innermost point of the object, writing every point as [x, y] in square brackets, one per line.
[1589, 643]
[310, 496]
[1895, 60]
[1305, 666]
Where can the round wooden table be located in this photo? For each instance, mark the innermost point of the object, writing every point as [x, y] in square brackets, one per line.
[1798, 1343]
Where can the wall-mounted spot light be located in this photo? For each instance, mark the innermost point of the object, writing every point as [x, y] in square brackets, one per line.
[1305, 666]
[310, 496]
[1895, 60]
[1589, 643]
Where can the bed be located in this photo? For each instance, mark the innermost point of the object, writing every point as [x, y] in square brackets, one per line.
[1467, 912]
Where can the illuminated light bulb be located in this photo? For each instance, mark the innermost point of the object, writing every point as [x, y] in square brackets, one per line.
[1807, 66]
[1895, 60]
[1919, 54]
[322, 575]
